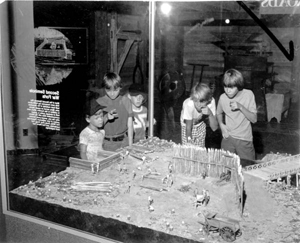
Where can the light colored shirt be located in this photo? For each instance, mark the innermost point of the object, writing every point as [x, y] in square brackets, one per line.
[189, 112]
[238, 125]
[93, 140]
[140, 123]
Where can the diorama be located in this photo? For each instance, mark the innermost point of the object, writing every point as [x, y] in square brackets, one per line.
[156, 190]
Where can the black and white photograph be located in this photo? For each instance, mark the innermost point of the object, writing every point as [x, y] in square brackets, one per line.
[149, 121]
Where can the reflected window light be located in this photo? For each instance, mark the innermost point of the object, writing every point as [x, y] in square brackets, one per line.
[165, 8]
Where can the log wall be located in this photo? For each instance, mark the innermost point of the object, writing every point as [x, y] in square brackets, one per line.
[198, 48]
[176, 46]
[287, 71]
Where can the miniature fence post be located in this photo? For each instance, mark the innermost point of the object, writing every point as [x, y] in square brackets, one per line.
[192, 160]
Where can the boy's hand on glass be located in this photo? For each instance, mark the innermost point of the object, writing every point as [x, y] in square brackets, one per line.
[148, 123]
[154, 121]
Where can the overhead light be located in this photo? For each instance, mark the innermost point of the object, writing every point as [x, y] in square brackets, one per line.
[227, 21]
[165, 8]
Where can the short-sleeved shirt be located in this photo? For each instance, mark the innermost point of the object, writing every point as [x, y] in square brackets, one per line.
[238, 125]
[140, 123]
[93, 140]
[123, 107]
[189, 112]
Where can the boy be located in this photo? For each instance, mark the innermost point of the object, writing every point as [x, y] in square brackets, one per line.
[195, 109]
[91, 137]
[140, 112]
[238, 105]
[118, 131]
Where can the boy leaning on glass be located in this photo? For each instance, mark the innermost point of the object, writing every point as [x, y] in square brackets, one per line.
[195, 109]
[91, 138]
[239, 107]
[119, 130]
[140, 112]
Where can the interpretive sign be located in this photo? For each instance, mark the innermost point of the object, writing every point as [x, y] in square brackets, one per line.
[45, 112]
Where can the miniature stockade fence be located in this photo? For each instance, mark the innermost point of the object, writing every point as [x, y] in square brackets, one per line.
[106, 159]
[193, 160]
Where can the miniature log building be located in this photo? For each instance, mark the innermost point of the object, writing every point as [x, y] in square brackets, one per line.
[194, 161]
[106, 159]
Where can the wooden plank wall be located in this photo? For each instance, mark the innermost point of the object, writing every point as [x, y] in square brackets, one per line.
[99, 59]
[198, 48]
[175, 46]
[287, 71]
[295, 68]
[100, 43]
[130, 22]
[169, 45]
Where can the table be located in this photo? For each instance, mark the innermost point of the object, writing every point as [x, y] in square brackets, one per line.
[277, 104]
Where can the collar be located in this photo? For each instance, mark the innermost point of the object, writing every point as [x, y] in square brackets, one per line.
[137, 109]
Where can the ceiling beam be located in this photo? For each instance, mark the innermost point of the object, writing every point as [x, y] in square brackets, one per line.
[271, 21]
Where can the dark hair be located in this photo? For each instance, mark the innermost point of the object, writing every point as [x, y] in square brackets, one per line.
[137, 89]
[233, 78]
[92, 106]
[112, 80]
[201, 92]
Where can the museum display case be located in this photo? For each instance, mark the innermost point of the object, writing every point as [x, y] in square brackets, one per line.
[54, 55]
[42, 91]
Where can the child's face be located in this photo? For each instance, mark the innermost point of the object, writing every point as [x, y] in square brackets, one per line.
[113, 93]
[137, 100]
[231, 91]
[200, 105]
[96, 120]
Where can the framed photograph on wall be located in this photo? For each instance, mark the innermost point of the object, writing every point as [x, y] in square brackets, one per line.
[61, 45]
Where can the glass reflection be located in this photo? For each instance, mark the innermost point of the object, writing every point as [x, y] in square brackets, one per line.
[57, 69]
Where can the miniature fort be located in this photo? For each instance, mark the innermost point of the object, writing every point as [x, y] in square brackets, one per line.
[167, 188]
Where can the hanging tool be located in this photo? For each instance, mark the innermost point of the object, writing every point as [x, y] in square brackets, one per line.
[137, 71]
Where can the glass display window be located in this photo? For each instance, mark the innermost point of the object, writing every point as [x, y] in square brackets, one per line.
[55, 55]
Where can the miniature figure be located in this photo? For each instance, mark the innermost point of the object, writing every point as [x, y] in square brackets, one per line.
[134, 175]
[206, 198]
[204, 174]
[202, 199]
[150, 200]
[128, 189]
[225, 176]
[170, 167]
[151, 209]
